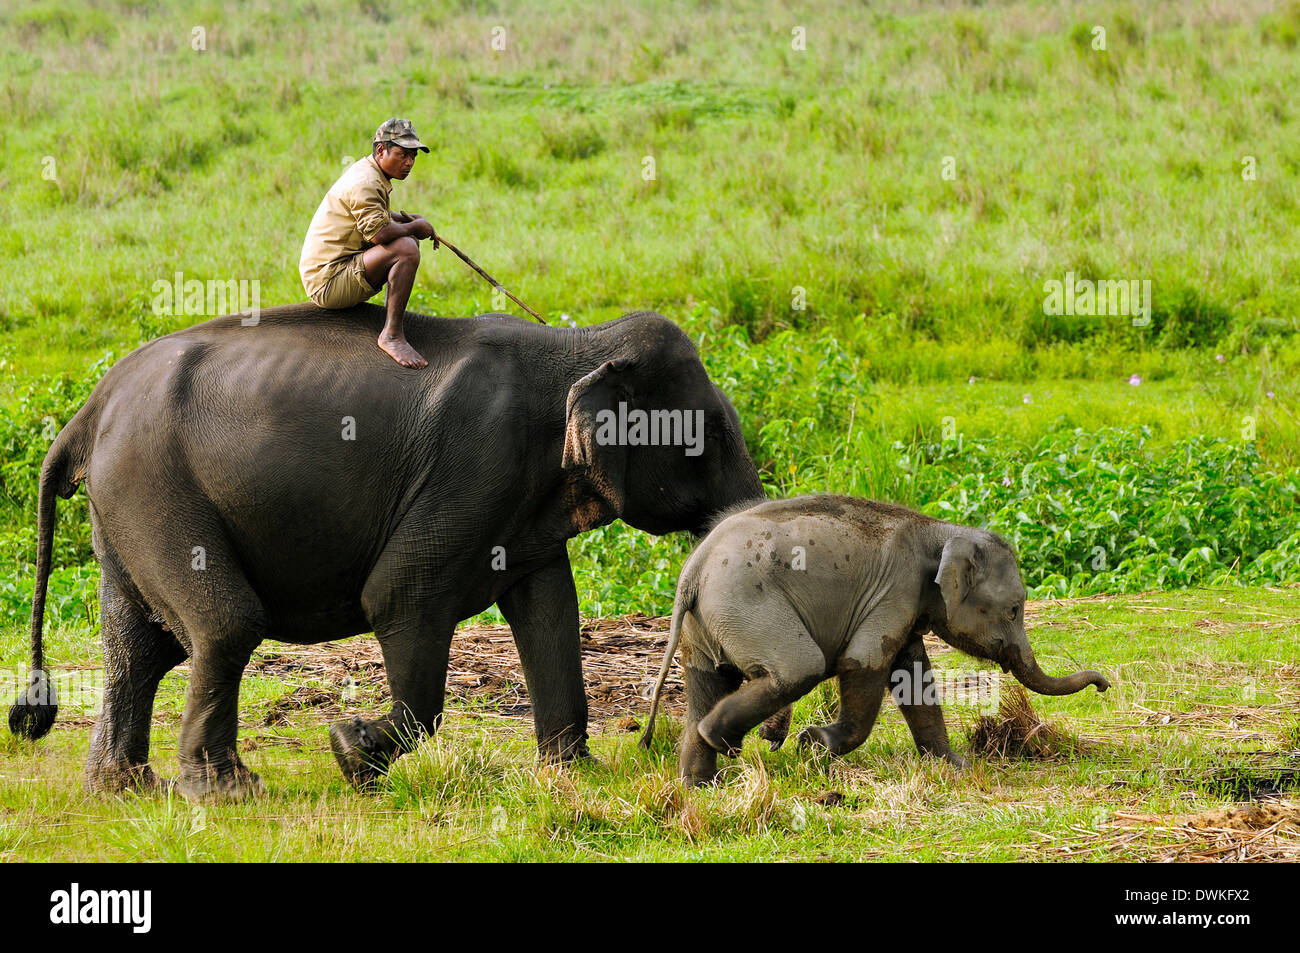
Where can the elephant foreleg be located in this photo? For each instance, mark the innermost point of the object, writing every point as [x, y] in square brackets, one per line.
[861, 692]
[913, 683]
[542, 609]
[415, 651]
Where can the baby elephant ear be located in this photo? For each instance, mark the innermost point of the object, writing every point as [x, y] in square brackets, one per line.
[959, 569]
[593, 456]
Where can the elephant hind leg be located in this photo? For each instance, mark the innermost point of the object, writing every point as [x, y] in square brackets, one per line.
[777, 728]
[137, 654]
[705, 688]
[785, 664]
[753, 703]
[224, 621]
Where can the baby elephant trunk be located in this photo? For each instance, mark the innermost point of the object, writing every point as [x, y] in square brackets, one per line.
[1035, 679]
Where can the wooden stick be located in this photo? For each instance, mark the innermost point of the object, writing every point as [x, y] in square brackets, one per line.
[488, 278]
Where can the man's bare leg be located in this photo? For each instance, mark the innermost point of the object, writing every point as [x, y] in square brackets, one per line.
[395, 265]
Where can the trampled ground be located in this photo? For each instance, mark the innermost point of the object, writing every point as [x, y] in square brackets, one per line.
[1193, 755]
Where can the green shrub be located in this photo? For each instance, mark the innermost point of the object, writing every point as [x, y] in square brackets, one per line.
[1186, 319]
[1097, 512]
[571, 141]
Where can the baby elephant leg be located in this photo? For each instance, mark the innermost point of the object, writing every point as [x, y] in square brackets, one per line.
[757, 700]
[704, 689]
[776, 728]
[861, 691]
[912, 686]
[783, 664]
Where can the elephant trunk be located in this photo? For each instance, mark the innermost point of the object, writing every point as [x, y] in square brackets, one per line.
[1035, 679]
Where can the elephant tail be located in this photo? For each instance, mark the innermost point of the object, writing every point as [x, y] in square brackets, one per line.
[32, 714]
[687, 590]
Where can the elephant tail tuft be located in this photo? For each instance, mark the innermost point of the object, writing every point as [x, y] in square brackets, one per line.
[32, 715]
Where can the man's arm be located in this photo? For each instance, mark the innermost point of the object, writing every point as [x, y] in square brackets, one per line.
[415, 227]
[377, 224]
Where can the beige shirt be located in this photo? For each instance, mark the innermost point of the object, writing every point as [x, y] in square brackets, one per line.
[352, 212]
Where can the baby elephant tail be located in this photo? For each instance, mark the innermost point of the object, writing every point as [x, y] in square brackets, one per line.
[685, 602]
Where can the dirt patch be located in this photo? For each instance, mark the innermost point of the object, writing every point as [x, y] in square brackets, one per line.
[304, 696]
[1236, 833]
[1247, 817]
[620, 660]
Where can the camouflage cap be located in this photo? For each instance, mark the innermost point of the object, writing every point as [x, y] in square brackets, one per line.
[401, 132]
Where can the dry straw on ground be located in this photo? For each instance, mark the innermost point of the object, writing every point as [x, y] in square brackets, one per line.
[1256, 831]
[1016, 731]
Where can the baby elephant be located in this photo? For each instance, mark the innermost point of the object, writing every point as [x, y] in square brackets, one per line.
[785, 593]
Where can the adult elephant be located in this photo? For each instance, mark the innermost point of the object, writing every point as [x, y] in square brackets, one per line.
[287, 480]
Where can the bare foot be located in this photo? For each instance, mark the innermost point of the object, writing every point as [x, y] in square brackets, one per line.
[402, 352]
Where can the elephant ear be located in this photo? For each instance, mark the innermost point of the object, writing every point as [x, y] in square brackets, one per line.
[594, 460]
[959, 569]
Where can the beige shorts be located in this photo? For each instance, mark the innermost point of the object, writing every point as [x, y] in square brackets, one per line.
[345, 285]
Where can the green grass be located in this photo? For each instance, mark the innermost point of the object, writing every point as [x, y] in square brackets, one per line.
[1222, 665]
[776, 168]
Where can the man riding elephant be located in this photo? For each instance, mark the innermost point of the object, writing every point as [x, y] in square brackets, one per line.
[355, 245]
